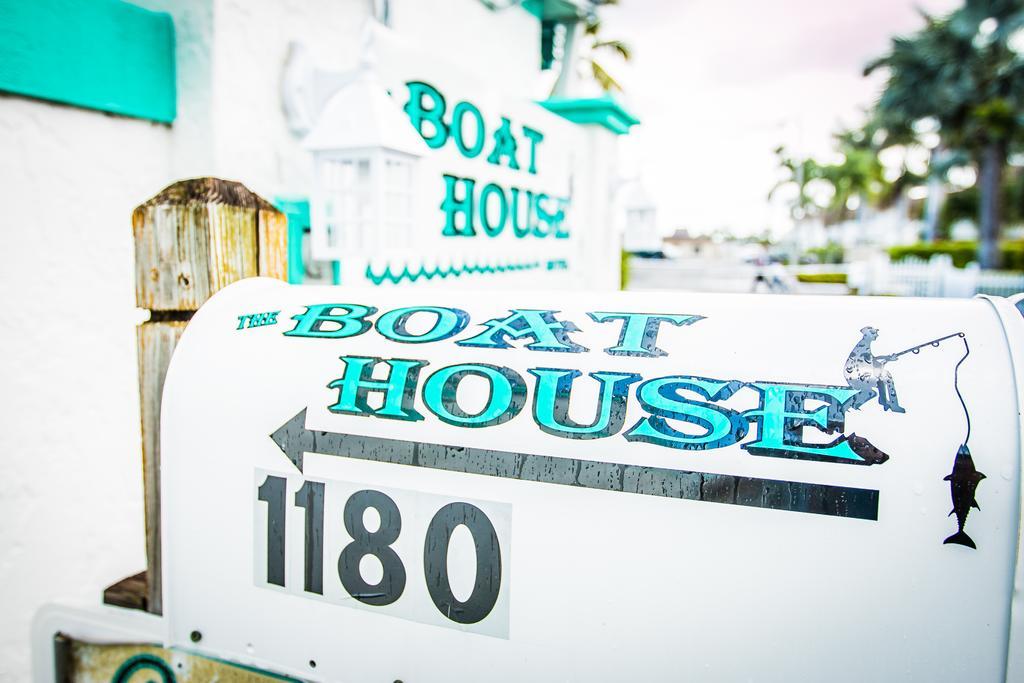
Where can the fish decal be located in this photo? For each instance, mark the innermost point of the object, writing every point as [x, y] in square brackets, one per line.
[963, 482]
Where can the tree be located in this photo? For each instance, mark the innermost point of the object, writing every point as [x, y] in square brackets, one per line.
[592, 29]
[963, 71]
[592, 54]
[858, 174]
[839, 190]
[906, 102]
[800, 174]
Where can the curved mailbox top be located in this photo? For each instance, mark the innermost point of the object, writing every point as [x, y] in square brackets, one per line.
[1018, 301]
[400, 484]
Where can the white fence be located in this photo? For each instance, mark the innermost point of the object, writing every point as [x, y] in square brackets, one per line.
[1000, 284]
[935, 277]
[910, 277]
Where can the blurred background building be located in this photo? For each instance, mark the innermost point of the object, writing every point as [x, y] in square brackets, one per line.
[873, 152]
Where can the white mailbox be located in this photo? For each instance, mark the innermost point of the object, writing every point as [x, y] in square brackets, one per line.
[425, 486]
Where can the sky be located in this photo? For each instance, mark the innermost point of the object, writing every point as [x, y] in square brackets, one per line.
[719, 84]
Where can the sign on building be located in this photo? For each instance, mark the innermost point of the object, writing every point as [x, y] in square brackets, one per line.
[427, 173]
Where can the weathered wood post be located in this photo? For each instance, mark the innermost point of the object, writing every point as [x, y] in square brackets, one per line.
[192, 239]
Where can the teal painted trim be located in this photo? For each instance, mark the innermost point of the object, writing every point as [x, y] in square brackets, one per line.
[602, 111]
[297, 211]
[555, 10]
[534, 7]
[336, 272]
[97, 54]
[444, 273]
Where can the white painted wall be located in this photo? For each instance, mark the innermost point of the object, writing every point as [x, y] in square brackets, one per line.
[236, 127]
[503, 46]
[249, 135]
[70, 477]
[70, 469]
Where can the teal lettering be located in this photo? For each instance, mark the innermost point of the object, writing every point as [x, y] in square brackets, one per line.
[543, 217]
[782, 416]
[505, 398]
[325, 321]
[552, 398]
[399, 389]
[458, 134]
[660, 397]
[558, 221]
[447, 323]
[434, 114]
[504, 146]
[535, 137]
[639, 333]
[491, 190]
[522, 229]
[547, 332]
[453, 206]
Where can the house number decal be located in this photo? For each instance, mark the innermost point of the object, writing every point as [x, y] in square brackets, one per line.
[388, 550]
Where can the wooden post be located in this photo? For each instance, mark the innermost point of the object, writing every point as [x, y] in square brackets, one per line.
[194, 238]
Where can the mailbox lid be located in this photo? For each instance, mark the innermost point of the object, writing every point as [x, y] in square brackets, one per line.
[665, 496]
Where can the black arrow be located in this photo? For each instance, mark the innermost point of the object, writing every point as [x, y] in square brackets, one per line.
[839, 501]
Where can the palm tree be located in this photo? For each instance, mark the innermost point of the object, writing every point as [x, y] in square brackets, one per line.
[962, 71]
[915, 64]
[592, 29]
[592, 54]
[856, 179]
[900, 128]
[800, 173]
[858, 174]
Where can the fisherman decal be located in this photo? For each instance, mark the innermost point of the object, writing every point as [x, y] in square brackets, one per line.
[866, 373]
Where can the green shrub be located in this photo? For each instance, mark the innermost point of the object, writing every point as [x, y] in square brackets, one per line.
[962, 253]
[830, 253]
[822, 278]
[1012, 254]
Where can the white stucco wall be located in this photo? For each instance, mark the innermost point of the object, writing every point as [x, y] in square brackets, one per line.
[70, 479]
[250, 137]
[503, 46]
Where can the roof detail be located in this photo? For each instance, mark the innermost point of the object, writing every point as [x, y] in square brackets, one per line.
[604, 111]
[558, 10]
[362, 115]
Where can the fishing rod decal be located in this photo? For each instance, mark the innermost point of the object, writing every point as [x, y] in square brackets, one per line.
[867, 373]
